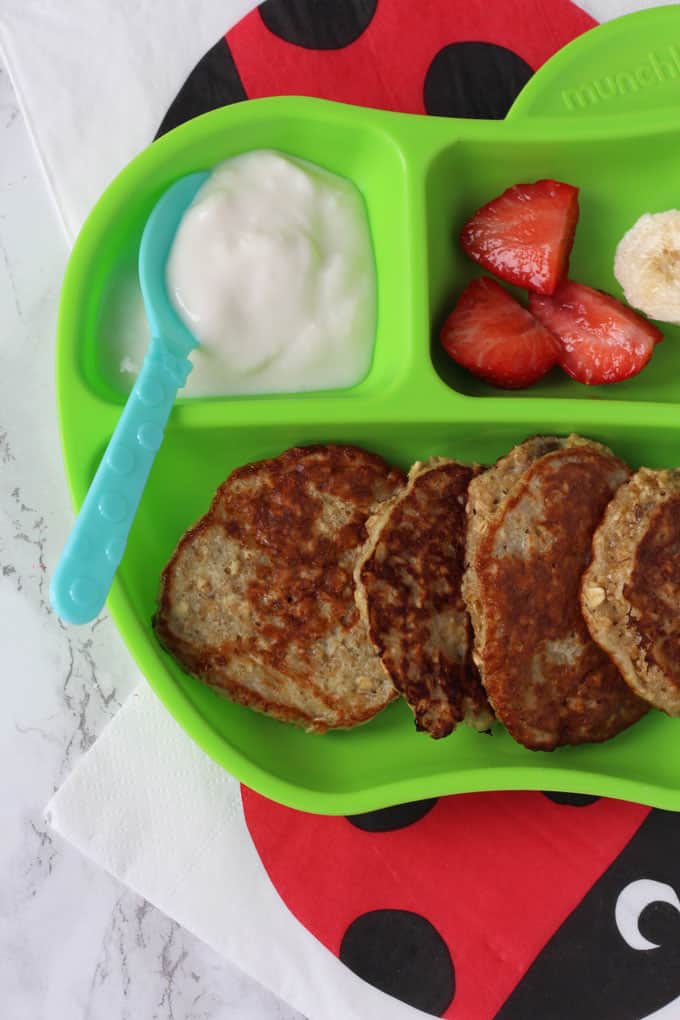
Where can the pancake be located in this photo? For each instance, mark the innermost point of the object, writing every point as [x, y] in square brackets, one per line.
[258, 598]
[631, 591]
[408, 591]
[531, 522]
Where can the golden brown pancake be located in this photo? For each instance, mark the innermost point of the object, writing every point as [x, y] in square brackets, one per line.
[531, 522]
[258, 598]
[631, 591]
[408, 590]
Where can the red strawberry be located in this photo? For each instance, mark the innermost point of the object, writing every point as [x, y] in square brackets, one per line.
[525, 235]
[600, 340]
[493, 336]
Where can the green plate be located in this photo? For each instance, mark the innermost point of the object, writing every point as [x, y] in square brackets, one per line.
[602, 115]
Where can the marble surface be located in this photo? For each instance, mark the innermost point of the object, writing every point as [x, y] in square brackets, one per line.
[73, 942]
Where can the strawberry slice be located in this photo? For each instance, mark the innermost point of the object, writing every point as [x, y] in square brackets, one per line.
[600, 340]
[494, 337]
[525, 235]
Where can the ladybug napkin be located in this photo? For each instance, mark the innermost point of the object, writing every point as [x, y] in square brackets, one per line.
[507, 905]
[514, 905]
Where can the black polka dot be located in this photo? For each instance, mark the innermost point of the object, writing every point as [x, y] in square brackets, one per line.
[474, 79]
[397, 817]
[318, 24]
[214, 82]
[572, 799]
[402, 954]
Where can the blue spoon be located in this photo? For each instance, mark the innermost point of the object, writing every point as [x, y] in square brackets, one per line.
[95, 547]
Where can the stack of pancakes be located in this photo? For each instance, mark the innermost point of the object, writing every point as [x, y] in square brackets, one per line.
[322, 584]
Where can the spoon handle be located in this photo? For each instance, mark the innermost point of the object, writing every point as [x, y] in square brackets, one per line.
[95, 547]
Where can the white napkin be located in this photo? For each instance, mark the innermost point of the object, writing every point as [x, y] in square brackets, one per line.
[94, 79]
[151, 808]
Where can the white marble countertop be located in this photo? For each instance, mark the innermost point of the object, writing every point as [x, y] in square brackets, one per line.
[74, 944]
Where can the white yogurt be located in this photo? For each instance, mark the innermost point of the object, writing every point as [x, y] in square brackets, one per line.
[272, 270]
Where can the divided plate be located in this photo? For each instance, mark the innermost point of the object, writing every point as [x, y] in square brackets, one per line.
[420, 178]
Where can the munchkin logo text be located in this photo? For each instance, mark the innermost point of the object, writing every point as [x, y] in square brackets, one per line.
[662, 66]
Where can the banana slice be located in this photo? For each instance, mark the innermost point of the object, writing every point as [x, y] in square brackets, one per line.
[647, 265]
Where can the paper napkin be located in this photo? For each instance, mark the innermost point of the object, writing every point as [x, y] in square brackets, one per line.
[150, 807]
